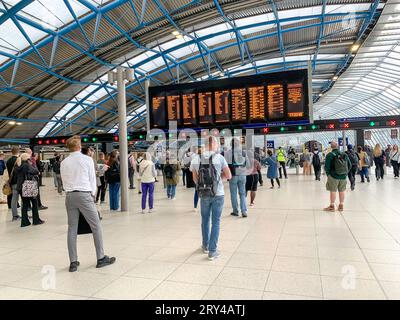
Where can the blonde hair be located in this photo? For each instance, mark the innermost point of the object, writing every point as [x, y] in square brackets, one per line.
[22, 157]
[377, 150]
[74, 143]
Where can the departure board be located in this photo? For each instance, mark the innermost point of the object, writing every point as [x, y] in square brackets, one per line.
[158, 114]
[239, 109]
[189, 108]
[205, 107]
[257, 103]
[253, 101]
[276, 106]
[174, 107]
[295, 100]
[222, 106]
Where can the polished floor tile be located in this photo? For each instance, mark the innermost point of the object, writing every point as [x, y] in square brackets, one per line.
[283, 250]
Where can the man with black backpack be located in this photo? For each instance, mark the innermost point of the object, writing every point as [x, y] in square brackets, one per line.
[337, 167]
[208, 171]
[316, 162]
[355, 161]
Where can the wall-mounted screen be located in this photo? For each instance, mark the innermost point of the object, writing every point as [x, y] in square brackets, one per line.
[255, 100]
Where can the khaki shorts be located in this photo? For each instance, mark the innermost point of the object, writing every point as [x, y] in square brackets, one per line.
[334, 185]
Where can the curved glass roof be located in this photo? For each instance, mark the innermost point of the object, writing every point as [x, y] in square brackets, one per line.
[196, 51]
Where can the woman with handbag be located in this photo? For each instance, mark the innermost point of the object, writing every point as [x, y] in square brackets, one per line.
[28, 187]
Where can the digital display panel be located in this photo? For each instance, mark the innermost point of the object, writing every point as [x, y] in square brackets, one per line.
[233, 102]
[295, 100]
[173, 102]
[189, 108]
[276, 105]
[257, 103]
[239, 110]
[222, 106]
[158, 114]
[205, 107]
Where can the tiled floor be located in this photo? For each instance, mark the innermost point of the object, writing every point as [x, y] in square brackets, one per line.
[287, 248]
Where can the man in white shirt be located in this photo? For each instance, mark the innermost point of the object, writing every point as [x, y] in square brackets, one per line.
[79, 181]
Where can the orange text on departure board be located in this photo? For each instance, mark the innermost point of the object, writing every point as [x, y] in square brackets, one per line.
[239, 104]
[257, 102]
[275, 101]
[189, 108]
[173, 107]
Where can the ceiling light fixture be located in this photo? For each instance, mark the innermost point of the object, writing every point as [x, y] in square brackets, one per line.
[176, 33]
[12, 123]
[335, 78]
[19, 123]
[355, 47]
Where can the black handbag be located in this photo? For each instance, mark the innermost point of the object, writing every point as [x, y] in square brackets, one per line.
[83, 225]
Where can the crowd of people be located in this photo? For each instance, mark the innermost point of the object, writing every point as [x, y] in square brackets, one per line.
[85, 181]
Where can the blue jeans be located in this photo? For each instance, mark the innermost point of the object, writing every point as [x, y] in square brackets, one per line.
[238, 183]
[195, 199]
[171, 191]
[211, 209]
[364, 172]
[114, 195]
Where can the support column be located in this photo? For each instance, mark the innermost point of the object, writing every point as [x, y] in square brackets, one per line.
[344, 140]
[123, 138]
[146, 89]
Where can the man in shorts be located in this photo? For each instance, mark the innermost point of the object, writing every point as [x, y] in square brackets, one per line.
[337, 166]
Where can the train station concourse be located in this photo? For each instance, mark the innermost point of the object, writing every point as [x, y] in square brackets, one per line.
[190, 150]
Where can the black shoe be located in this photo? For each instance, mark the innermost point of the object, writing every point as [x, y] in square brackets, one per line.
[140, 192]
[16, 218]
[234, 214]
[244, 215]
[38, 223]
[352, 188]
[74, 266]
[106, 261]
[131, 188]
[25, 225]
[43, 208]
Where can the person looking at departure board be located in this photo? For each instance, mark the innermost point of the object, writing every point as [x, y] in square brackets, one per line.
[238, 161]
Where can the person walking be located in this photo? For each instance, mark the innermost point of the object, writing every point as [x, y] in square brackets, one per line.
[337, 167]
[208, 171]
[3, 168]
[52, 161]
[252, 178]
[365, 162]
[307, 163]
[394, 158]
[355, 164]
[316, 162]
[170, 170]
[12, 199]
[101, 169]
[237, 160]
[388, 150]
[28, 186]
[113, 179]
[281, 157]
[272, 172]
[79, 180]
[148, 174]
[379, 160]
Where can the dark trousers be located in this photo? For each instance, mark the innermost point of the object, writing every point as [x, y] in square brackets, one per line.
[283, 166]
[352, 177]
[101, 190]
[277, 181]
[38, 199]
[130, 175]
[184, 173]
[147, 188]
[395, 166]
[26, 202]
[317, 171]
[260, 179]
[379, 171]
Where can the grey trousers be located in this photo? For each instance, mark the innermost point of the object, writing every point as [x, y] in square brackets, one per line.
[14, 201]
[83, 202]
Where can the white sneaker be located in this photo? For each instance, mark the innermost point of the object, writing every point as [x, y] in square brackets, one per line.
[151, 210]
[173, 199]
[143, 212]
[205, 250]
